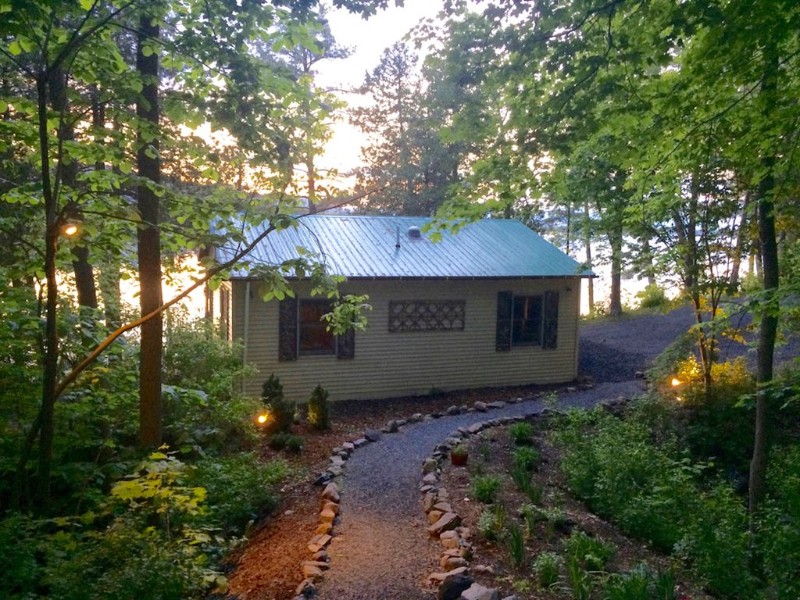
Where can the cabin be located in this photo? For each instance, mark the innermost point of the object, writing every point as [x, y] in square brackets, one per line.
[493, 304]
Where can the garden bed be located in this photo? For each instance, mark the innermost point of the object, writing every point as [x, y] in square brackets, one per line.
[545, 517]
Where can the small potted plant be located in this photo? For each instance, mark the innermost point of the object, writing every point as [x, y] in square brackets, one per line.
[459, 455]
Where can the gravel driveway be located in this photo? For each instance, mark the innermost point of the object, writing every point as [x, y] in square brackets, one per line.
[381, 549]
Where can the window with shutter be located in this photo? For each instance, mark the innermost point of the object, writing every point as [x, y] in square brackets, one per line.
[526, 320]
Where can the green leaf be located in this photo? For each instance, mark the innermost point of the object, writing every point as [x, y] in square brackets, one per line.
[87, 5]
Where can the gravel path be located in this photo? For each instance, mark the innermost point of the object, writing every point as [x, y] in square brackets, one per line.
[381, 549]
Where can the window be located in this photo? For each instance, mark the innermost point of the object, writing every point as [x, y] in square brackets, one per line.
[526, 321]
[302, 332]
[426, 315]
[526, 327]
[314, 337]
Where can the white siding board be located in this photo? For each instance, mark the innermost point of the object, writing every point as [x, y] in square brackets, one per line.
[415, 363]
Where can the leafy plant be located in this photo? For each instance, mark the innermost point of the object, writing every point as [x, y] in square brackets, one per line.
[318, 414]
[485, 488]
[288, 441]
[546, 568]
[526, 458]
[579, 579]
[653, 296]
[491, 522]
[522, 478]
[640, 584]
[521, 433]
[515, 543]
[239, 489]
[591, 553]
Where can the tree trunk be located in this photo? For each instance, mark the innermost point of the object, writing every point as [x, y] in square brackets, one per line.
[741, 240]
[587, 241]
[46, 418]
[615, 239]
[110, 292]
[771, 277]
[67, 180]
[149, 239]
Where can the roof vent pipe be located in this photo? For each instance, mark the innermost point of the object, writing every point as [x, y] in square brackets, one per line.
[397, 243]
[414, 233]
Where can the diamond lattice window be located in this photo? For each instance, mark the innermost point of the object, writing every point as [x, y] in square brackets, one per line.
[426, 315]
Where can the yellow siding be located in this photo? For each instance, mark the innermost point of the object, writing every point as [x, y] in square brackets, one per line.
[413, 363]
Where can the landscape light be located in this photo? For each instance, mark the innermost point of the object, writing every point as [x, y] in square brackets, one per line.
[262, 418]
[675, 382]
[69, 229]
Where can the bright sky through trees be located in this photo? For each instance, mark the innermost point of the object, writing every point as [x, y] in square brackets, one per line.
[368, 39]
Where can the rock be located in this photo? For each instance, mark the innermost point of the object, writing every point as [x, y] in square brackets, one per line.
[331, 505]
[336, 460]
[496, 404]
[306, 589]
[511, 598]
[453, 586]
[475, 428]
[572, 389]
[477, 592]
[415, 418]
[429, 465]
[448, 535]
[443, 507]
[323, 566]
[324, 479]
[480, 406]
[430, 479]
[372, 435]
[359, 442]
[349, 446]
[327, 515]
[424, 489]
[440, 577]
[483, 569]
[318, 542]
[391, 427]
[428, 501]
[450, 543]
[453, 410]
[335, 471]
[312, 572]
[321, 556]
[453, 562]
[331, 492]
[401, 422]
[446, 522]
[324, 528]
[434, 516]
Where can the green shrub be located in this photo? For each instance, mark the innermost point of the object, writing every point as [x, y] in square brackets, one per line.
[521, 433]
[623, 476]
[485, 488]
[653, 296]
[579, 579]
[546, 568]
[592, 553]
[288, 441]
[19, 547]
[715, 544]
[196, 356]
[526, 458]
[240, 489]
[319, 409]
[281, 410]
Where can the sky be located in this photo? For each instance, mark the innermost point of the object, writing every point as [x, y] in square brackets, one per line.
[368, 39]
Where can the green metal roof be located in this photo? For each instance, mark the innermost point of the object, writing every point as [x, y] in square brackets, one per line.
[386, 247]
